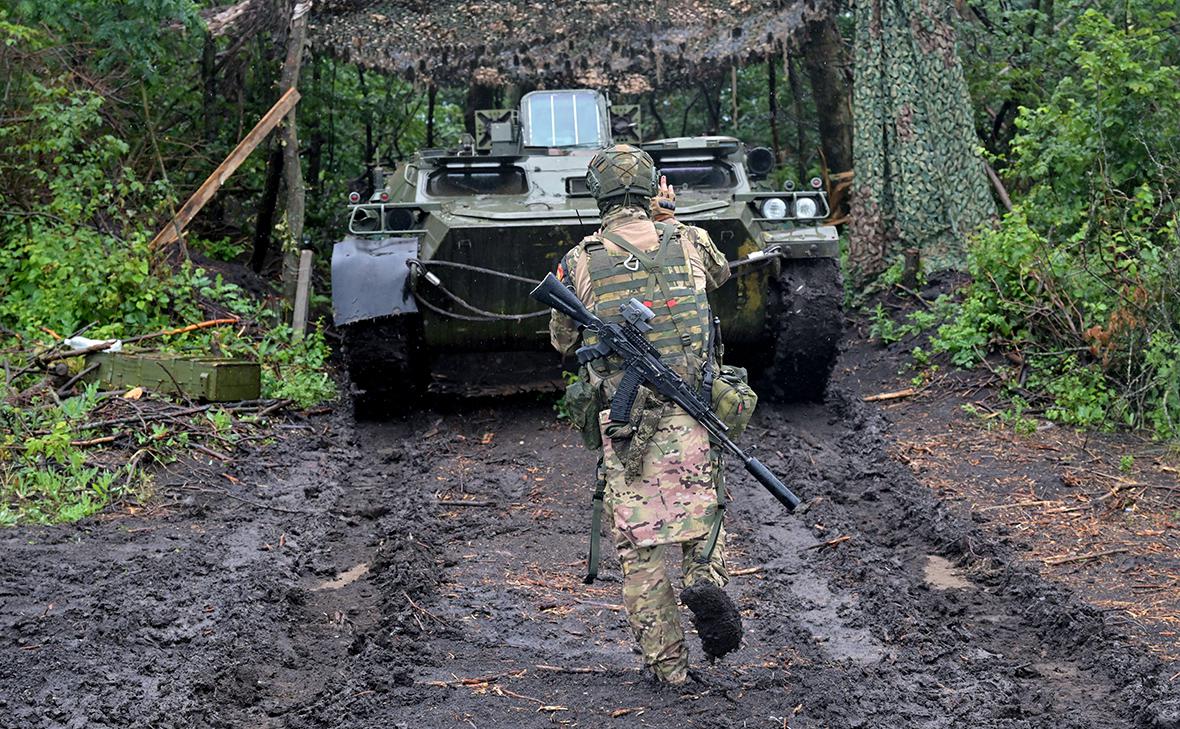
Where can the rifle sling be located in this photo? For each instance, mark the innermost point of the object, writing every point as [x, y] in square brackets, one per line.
[596, 523]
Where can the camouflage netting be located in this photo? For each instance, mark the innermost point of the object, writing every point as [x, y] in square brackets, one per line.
[624, 46]
[919, 181]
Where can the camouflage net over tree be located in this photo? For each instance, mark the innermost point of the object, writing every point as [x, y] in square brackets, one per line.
[919, 181]
[630, 47]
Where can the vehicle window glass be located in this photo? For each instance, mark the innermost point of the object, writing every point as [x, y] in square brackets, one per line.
[563, 119]
[698, 175]
[476, 181]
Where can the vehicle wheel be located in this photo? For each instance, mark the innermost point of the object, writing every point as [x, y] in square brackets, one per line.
[806, 319]
[386, 362]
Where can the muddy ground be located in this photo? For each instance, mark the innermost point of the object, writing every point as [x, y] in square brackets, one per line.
[426, 572]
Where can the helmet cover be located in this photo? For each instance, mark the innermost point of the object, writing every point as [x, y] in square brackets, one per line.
[622, 170]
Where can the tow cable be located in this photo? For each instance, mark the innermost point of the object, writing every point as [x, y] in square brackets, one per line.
[482, 315]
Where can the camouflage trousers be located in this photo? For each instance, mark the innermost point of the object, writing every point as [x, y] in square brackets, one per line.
[651, 603]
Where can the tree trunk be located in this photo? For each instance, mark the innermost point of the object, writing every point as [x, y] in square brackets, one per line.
[800, 132]
[369, 150]
[478, 97]
[431, 97]
[824, 58]
[265, 219]
[655, 114]
[733, 96]
[712, 106]
[684, 119]
[292, 172]
[209, 77]
[772, 102]
[315, 147]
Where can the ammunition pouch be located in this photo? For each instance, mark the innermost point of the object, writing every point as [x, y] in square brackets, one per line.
[583, 402]
[733, 400]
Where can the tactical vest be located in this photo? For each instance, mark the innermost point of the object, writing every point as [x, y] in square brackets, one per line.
[661, 279]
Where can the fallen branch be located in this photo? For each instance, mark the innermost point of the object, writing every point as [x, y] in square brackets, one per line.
[64, 389]
[563, 669]
[908, 392]
[831, 542]
[1019, 504]
[623, 712]
[457, 502]
[183, 330]
[746, 571]
[1068, 558]
[476, 681]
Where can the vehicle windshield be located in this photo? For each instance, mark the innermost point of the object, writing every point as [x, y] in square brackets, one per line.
[477, 181]
[562, 119]
[698, 174]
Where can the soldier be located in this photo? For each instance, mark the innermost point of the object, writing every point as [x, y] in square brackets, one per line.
[658, 475]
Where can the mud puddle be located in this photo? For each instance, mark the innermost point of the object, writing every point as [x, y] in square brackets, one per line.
[427, 573]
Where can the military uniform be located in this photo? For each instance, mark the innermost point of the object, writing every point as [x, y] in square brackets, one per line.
[661, 476]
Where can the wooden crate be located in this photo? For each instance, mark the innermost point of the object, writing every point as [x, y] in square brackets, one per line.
[212, 379]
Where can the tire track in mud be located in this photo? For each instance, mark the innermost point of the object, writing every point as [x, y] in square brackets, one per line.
[363, 594]
[881, 629]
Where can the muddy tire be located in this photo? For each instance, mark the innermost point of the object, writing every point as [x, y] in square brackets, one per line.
[805, 320]
[386, 363]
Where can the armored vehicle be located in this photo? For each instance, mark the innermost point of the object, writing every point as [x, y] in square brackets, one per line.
[442, 251]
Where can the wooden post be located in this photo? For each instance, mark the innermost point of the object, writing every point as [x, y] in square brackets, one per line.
[209, 187]
[292, 171]
[910, 268]
[302, 294]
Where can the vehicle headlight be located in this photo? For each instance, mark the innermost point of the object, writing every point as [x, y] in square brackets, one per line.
[774, 208]
[805, 207]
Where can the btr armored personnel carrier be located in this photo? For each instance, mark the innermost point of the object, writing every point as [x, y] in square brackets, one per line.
[442, 251]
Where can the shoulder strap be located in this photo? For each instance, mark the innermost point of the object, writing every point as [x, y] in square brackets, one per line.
[645, 258]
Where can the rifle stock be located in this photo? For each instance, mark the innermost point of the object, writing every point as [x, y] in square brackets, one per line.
[556, 295]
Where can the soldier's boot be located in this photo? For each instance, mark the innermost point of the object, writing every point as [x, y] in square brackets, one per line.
[716, 618]
[653, 613]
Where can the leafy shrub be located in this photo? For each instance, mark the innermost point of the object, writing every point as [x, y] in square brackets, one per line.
[1080, 277]
[295, 368]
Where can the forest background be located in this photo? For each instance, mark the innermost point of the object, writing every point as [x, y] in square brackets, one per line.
[112, 113]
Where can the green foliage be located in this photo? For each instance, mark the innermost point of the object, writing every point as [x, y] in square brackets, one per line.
[561, 407]
[139, 35]
[44, 476]
[294, 368]
[885, 329]
[220, 249]
[1081, 276]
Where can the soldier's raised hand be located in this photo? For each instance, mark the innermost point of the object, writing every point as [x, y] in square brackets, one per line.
[663, 205]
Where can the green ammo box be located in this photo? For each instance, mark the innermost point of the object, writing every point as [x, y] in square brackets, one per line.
[213, 379]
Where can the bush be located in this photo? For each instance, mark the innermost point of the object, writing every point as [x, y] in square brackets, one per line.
[1080, 278]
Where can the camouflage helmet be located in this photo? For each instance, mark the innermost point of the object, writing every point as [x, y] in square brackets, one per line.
[622, 170]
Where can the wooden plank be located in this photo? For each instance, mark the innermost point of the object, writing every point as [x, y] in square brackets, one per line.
[302, 294]
[210, 186]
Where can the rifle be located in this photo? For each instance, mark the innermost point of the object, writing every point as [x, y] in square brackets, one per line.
[642, 366]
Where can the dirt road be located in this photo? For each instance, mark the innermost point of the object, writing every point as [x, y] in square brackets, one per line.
[426, 573]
